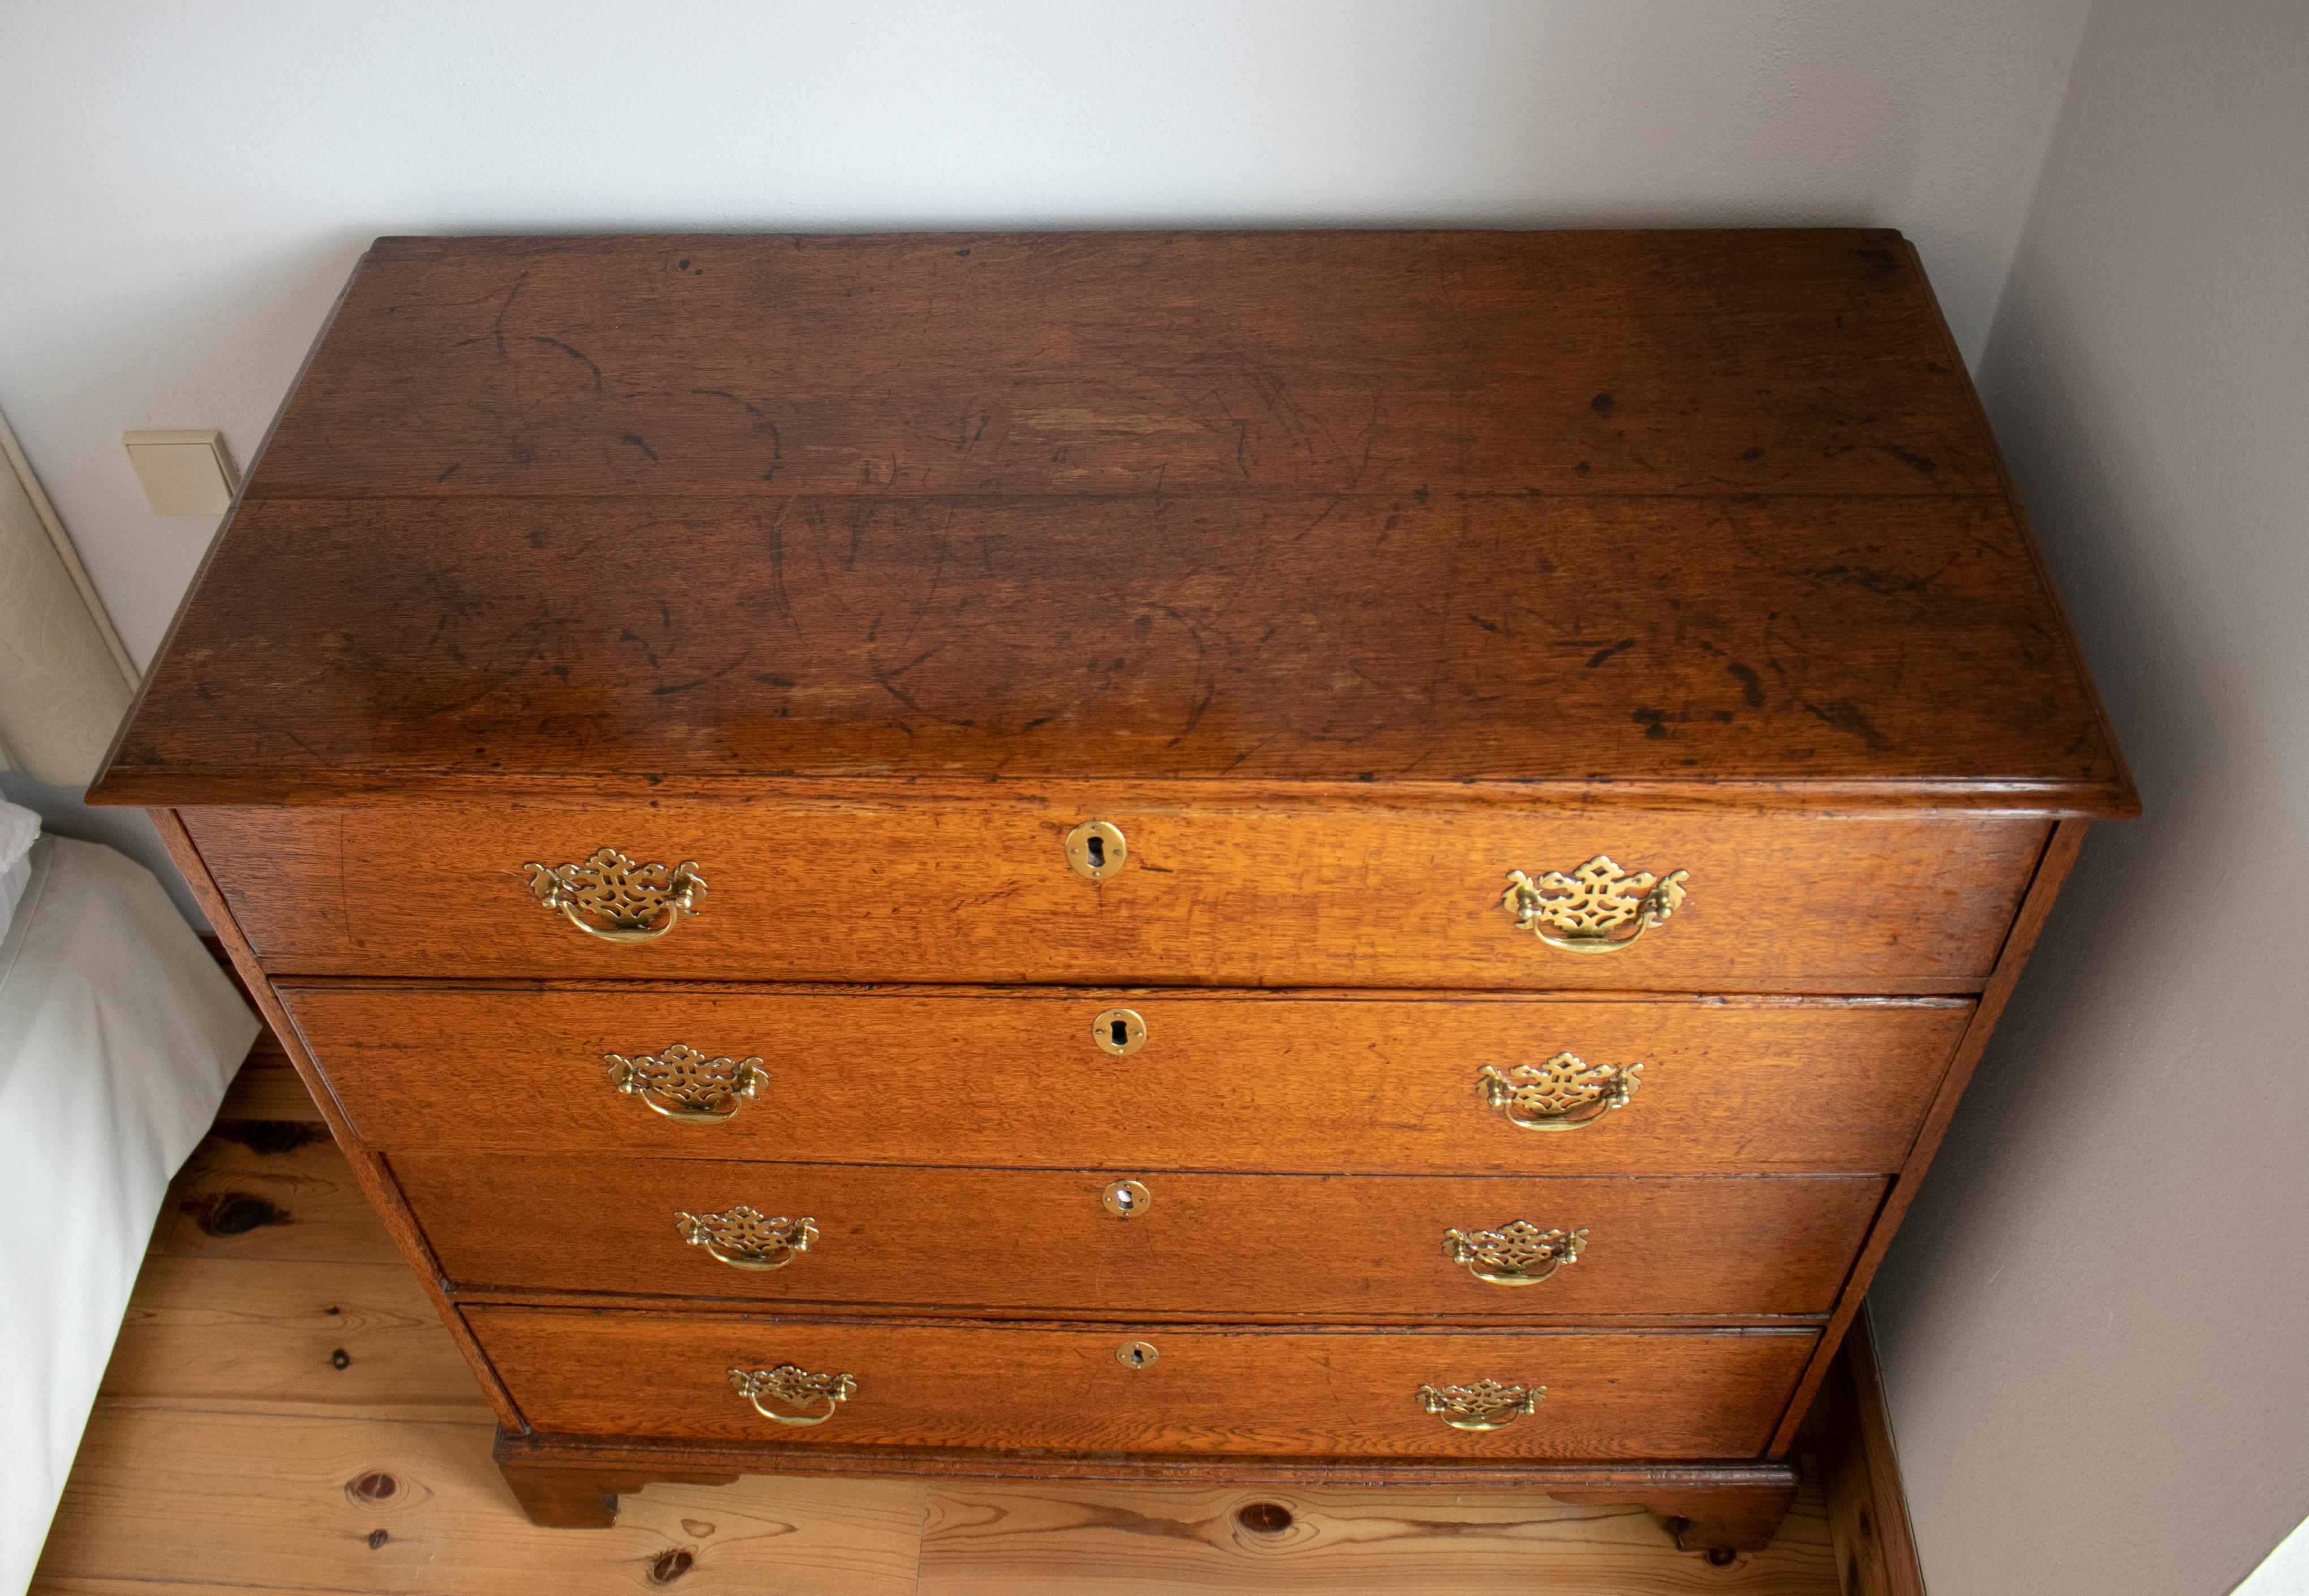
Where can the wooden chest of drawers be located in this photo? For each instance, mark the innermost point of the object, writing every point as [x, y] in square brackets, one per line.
[1240, 857]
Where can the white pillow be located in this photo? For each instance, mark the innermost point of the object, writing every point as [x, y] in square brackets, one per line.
[20, 828]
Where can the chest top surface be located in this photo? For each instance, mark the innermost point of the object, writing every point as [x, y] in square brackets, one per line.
[1700, 510]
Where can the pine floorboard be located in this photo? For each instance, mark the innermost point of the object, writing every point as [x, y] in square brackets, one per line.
[283, 1414]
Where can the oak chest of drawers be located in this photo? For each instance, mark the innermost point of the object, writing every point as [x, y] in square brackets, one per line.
[1247, 857]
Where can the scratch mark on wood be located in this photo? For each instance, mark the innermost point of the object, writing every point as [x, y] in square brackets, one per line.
[576, 354]
[1844, 715]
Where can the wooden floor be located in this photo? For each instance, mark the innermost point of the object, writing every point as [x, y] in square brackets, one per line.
[283, 1412]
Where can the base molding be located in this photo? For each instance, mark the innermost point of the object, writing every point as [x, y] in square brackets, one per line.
[1860, 1475]
[575, 1481]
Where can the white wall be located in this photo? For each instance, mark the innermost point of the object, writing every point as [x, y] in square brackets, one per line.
[184, 187]
[2096, 1326]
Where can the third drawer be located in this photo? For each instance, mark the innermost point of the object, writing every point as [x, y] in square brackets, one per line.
[1281, 1082]
[1101, 1243]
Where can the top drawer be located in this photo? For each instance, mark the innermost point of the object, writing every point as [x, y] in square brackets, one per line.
[984, 890]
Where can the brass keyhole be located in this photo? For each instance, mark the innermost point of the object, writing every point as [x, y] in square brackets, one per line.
[1096, 850]
[1136, 1354]
[1127, 1199]
[1119, 1031]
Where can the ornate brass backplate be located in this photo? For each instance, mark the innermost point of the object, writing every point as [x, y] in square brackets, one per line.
[616, 899]
[682, 1083]
[1485, 1405]
[796, 1388]
[1518, 1254]
[1585, 911]
[1565, 1093]
[744, 1238]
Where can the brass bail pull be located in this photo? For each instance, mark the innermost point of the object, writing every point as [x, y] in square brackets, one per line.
[682, 1083]
[617, 898]
[1591, 910]
[744, 1237]
[1564, 1093]
[1485, 1405]
[1517, 1253]
[796, 1387]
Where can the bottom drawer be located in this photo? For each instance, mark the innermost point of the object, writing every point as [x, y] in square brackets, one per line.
[1652, 1395]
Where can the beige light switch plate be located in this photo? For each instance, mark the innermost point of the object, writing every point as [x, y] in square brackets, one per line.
[184, 473]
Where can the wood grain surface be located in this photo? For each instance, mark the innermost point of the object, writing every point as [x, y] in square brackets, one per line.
[365, 1169]
[2060, 857]
[335, 1337]
[268, 1090]
[1316, 507]
[272, 1191]
[1448, 639]
[980, 890]
[164, 1500]
[1220, 1245]
[1338, 1394]
[999, 1541]
[1225, 1081]
[228, 1451]
[1101, 363]
[1860, 1476]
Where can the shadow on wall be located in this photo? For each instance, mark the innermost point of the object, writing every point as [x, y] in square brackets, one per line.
[2093, 1310]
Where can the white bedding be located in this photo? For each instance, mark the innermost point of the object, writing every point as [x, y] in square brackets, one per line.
[117, 1036]
[19, 830]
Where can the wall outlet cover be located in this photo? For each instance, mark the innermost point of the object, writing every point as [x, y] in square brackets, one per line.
[184, 473]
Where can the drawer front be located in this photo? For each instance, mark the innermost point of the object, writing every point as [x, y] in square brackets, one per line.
[1654, 1395]
[1214, 1080]
[983, 891]
[1068, 1242]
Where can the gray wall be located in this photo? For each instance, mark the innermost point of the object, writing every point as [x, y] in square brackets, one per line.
[2095, 1327]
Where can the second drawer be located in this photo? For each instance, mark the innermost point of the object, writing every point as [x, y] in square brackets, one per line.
[1290, 1082]
[1093, 1243]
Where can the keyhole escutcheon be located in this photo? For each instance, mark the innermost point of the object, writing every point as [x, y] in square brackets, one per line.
[1095, 849]
[1120, 1031]
[1136, 1354]
[1126, 1199]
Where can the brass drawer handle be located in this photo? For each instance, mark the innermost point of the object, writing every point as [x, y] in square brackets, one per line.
[1519, 1254]
[743, 1238]
[683, 1084]
[1566, 1093]
[1485, 1405]
[1585, 911]
[634, 902]
[795, 1387]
